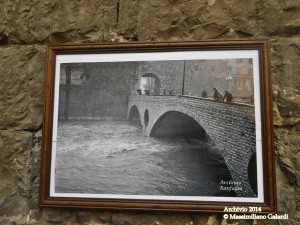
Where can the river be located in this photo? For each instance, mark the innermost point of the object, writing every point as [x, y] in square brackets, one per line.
[113, 157]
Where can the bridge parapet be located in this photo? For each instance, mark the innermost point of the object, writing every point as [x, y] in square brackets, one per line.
[230, 125]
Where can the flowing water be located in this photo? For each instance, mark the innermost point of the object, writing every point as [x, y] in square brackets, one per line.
[113, 157]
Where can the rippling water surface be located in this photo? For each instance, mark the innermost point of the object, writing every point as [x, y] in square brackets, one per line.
[113, 157]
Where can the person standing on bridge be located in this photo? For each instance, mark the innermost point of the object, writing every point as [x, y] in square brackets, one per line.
[171, 92]
[227, 97]
[139, 91]
[217, 95]
[147, 92]
[204, 94]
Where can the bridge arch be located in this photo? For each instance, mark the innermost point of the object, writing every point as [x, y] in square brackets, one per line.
[203, 125]
[134, 114]
[175, 123]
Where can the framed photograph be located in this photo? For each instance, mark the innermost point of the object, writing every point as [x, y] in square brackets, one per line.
[178, 126]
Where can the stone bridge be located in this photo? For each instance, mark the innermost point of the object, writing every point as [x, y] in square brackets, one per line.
[230, 125]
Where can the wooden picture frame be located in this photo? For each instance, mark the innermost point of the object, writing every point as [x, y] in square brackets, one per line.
[181, 119]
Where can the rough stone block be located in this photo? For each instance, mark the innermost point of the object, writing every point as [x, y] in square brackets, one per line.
[57, 215]
[22, 71]
[285, 194]
[56, 21]
[14, 172]
[157, 219]
[285, 70]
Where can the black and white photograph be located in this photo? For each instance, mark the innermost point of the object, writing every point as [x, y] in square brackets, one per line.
[157, 128]
[179, 126]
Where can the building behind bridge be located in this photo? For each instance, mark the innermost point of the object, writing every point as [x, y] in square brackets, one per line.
[100, 91]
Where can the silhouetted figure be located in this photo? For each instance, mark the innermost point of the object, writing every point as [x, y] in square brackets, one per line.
[204, 94]
[164, 92]
[171, 92]
[147, 92]
[217, 95]
[227, 97]
[139, 91]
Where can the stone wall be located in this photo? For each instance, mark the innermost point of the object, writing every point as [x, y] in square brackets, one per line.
[169, 73]
[27, 26]
[97, 91]
[104, 94]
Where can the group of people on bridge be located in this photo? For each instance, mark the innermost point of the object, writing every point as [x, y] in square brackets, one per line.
[150, 92]
[217, 96]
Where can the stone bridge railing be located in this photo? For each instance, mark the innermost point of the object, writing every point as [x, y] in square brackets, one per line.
[231, 126]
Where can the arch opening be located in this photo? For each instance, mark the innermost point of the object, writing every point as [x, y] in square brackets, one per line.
[194, 145]
[252, 173]
[151, 82]
[177, 124]
[134, 115]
